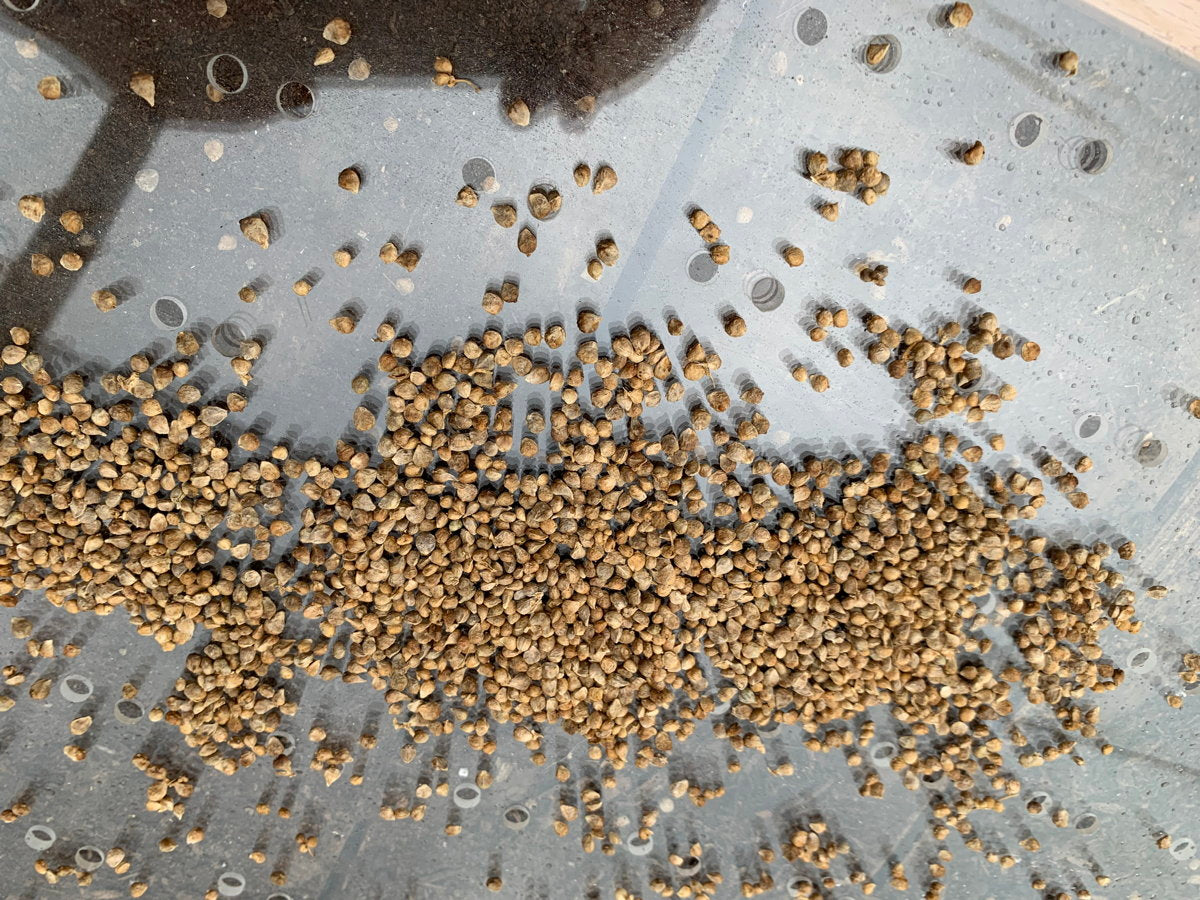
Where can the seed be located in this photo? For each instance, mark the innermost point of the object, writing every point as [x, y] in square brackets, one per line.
[582, 174]
[972, 286]
[71, 221]
[302, 288]
[606, 179]
[518, 112]
[526, 241]
[467, 196]
[337, 31]
[408, 259]
[142, 84]
[595, 269]
[186, 344]
[32, 207]
[710, 233]
[137, 888]
[71, 261]
[195, 835]
[256, 231]
[1194, 407]
[495, 883]
[1174, 701]
[816, 333]
[51, 88]
[877, 53]
[735, 325]
[816, 164]
[360, 384]
[40, 264]
[505, 215]
[509, 292]
[1068, 61]
[1163, 842]
[973, 155]
[719, 253]
[349, 180]
[40, 689]
[80, 725]
[106, 301]
[492, 304]
[960, 15]
[819, 383]
[607, 252]
[1127, 550]
[1084, 464]
[793, 256]
[1030, 351]
[841, 318]
[389, 252]
[323, 56]
[343, 324]
[699, 218]
[868, 196]
[359, 70]
[364, 419]
[829, 211]
[844, 357]
[587, 321]
[800, 373]
[674, 326]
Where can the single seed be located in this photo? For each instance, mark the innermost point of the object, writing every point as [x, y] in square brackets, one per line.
[343, 324]
[467, 196]
[256, 231]
[1030, 351]
[337, 31]
[349, 180]
[323, 56]
[960, 15]
[359, 70]
[51, 88]
[32, 207]
[973, 155]
[793, 256]
[845, 357]
[106, 301]
[735, 325]
[364, 419]
[526, 241]
[607, 252]
[40, 264]
[820, 383]
[1068, 61]
[518, 112]
[698, 218]
[868, 196]
[710, 233]
[582, 174]
[71, 221]
[587, 321]
[800, 373]
[342, 258]
[606, 179]
[505, 215]
[829, 211]
[389, 252]
[360, 384]
[71, 261]
[302, 288]
[972, 286]
[408, 259]
[142, 84]
[877, 53]
[595, 269]
[719, 253]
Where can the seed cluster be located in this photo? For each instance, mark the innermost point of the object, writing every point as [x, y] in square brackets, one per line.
[859, 172]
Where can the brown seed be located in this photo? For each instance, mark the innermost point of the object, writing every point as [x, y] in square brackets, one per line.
[186, 344]
[735, 325]
[960, 15]
[80, 725]
[337, 31]
[1163, 842]
[1127, 550]
[106, 301]
[973, 155]
[876, 53]
[800, 373]
[51, 88]
[323, 56]
[495, 883]
[526, 241]
[343, 324]
[342, 258]
[71, 221]
[302, 288]
[829, 211]
[389, 252]
[195, 835]
[845, 357]
[256, 231]
[606, 179]
[509, 292]
[492, 304]
[868, 196]
[1084, 464]
[71, 261]
[142, 84]
[1068, 61]
[40, 689]
[359, 70]
[841, 318]
[816, 164]
[817, 333]
[32, 207]
[699, 218]
[595, 269]
[1175, 701]
[364, 419]
[793, 256]
[607, 252]
[582, 174]
[518, 112]
[543, 204]
[349, 180]
[819, 383]
[587, 321]
[505, 215]
[467, 196]
[40, 264]
[972, 286]
[408, 259]
[710, 233]
[719, 253]
[1030, 351]
[360, 384]
[1194, 407]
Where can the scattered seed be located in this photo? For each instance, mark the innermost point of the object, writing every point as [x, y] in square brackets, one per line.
[51, 88]
[106, 301]
[256, 231]
[973, 155]
[606, 179]
[408, 259]
[142, 84]
[302, 288]
[505, 215]
[595, 269]
[972, 286]
[71, 261]
[719, 253]
[323, 56]
[829, 211]
[582, 174]
[467, 196]
[735, 325]
[40, 264]
[845, 357]
[518, 113]
[71, 221]
[960, 15]
[793, 256]
[1030, 350]
[359, 70]
[32, 207]
[800, 373]
[526, 241]
[710, 233]
[343, 324]
[1068, 61]
[607, 252]
[342, 258]
[349, 180]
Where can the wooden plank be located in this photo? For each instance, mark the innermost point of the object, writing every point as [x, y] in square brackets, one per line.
[1173, 22]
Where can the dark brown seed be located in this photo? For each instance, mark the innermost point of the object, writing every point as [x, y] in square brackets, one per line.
[972, 286]
[527, 241]
[349, 180]
[607, 252]
[505, 215]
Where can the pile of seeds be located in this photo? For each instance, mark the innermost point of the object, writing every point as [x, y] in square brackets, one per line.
[618, 580]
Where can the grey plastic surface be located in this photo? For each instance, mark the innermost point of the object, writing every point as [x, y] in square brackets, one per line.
[1099, 268]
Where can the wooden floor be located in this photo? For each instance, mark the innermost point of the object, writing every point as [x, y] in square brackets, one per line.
[1173, 22]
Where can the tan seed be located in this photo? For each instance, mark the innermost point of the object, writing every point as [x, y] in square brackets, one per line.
[526, 241]
[256, 231]
[719, 253]
[71, 221]
[343, 324]
[606, 179]
[793, 256]
[505, 215]
[518, 112]
[364, 419]
[142, 84]
[337, 31]
[106, 301]
[51, 88]
[582, 174]
[40, 264]
[973, 155]
[1068, 61]
[960, 15]
[323, 56]
[32, 207]
[467, 196]
[349, 180]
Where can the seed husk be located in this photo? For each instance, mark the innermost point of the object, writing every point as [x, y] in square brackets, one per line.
[505, 215]
[142, 84]
[606, 179]
[256, 231]
[349, 180]
[51, 88]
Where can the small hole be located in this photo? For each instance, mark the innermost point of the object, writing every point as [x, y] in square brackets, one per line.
[1183, 849]
[766, 293]
[295, 99]
[227, 74]
[811, 27]
[700, 268]
[1141, 660]
[40, 837]
[1151, 452]
[689, 864]
[88, 858]
[76, 688]
[1026, 130]
[516, 815]
[30, 6]
[1094, 156]
[479, 174]
[890, 60]
[882, 751]
[1086, 822]
[129, 711]
[230, 884]
[168, 312]
[466, 793]
[638, 845]
[227, 339]
[1089, 426]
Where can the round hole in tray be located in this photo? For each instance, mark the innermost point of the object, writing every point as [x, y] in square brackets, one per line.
[227, 74]
[883, 751]
[230, 884]
[638, 845]
[295, 99]
[811, 27]
[1087, 823]
[168, 313]
[1026, 129]
[18, 6]
[89, 858]
[227, 339]
[1089, 425]
[129, 711]
[889, 62]
[700, 267]
[1141, 660]
[1094, 156]
[765, 292]
[40, 837]
[467, 796]
[480, 174]
[76, 688]
[516, 817]
[1184, 848]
